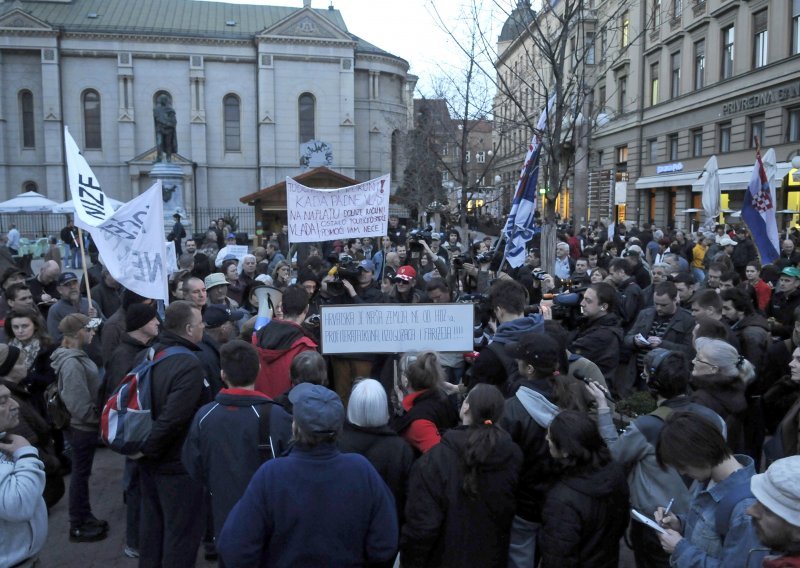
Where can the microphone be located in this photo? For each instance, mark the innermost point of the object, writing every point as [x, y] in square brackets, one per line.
[580, 376]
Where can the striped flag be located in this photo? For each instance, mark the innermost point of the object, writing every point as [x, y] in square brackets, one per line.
[519, 225]
[758, 210]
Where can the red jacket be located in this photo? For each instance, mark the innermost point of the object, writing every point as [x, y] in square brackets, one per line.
[278, 343]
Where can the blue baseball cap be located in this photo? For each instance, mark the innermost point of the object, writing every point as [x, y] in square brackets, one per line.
[317, 409]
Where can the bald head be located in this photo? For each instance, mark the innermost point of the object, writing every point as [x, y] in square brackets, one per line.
[49, 272]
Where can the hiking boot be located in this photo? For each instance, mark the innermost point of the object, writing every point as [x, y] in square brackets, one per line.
[87, 533]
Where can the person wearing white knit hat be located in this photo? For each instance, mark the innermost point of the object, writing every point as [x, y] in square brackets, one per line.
[776, 514]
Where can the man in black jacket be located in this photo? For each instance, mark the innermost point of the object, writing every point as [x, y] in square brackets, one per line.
[172, 502]
[630, 297]
[784, 300]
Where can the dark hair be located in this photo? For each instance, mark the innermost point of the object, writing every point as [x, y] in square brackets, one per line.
[425, 372]
[755, 264]
[309, 367]
[712, 328]
[486, 404]
[178, 315]
[683, 278]
[509, 295]
[556, 331]
[39, 325]
[575, 434]
[666, 288]
[239, 360]
[606, 294]
[770, 273]
[717, 267]
[690, 439]
[739, 299]
[730, 276]
[438, 284]
[295, 300]
[226, 264]
[12, 291]
[621, 264]
[671, 377]
[708, 299]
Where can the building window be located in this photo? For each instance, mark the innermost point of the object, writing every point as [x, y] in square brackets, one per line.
[604, 42]
[467, 154]
[656, 16]
[444, 149]
[622, 158]
[29, 186]
[589, 48]
[757, 124]
[91, 120]
[677, 9]
[445, 176]
[573, 60]
[652, 150]
[697, 143]
[760, 38]
[601, 96]
[622, 91]
[480, 157]
[305, 116]
[725, 137]
[599, 158]
[233, 123]
[26, 112]
[728, 37]
[626, 30]
[673, 147]
[699, 64]
[675, 75]
[654, 84]
[795, 27]
[793, 125]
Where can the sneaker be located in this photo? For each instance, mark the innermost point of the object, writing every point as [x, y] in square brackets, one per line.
[130, 552]
[87, 533]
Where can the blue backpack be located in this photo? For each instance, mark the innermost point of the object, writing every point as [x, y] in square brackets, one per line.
[127, 416]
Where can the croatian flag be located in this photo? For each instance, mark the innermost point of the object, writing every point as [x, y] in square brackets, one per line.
[758, 210]
[519, 225]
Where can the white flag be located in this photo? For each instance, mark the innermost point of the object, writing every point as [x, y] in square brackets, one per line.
[92, 206]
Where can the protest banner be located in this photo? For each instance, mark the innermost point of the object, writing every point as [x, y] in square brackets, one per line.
[172, 259]
[396, 328]
[92, 206]
[355, 211]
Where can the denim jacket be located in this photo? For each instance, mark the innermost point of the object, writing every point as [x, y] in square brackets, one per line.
[701, 545]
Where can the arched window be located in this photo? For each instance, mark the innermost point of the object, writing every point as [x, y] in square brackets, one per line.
[232, 118]
[26, 114]
[29, 186]
[91, 119]
[395, 171]
[305, 117]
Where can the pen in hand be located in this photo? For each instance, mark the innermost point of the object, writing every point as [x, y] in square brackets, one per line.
[669, 506]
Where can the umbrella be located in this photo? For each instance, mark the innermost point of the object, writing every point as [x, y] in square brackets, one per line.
[711, 198]
[69, 208]
[28, 202]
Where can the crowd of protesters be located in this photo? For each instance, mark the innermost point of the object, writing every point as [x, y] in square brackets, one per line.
[652, 370]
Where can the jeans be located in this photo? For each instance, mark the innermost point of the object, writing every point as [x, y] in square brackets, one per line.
[76, 257]
[172, 519]
[522, 548]
[83, 445]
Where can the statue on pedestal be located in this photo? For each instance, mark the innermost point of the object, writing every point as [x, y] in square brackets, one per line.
[166, 140]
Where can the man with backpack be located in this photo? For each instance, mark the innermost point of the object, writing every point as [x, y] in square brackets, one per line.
[231, 437]
[172, 518]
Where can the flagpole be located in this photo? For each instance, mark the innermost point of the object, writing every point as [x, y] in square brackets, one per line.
[85, 269]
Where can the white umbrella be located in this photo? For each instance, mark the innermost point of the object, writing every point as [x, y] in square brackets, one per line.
[68, 207]
[711, 198]
[28, 202]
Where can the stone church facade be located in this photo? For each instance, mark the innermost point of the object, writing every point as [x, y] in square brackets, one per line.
[260, 93]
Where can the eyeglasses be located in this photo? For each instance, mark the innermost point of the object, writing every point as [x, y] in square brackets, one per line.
[698, 360]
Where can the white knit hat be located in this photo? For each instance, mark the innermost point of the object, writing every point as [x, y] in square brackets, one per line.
[779, 489]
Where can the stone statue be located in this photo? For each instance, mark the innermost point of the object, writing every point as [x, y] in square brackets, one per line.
[164, 116]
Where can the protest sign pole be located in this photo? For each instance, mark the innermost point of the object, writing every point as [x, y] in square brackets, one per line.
[85, 268]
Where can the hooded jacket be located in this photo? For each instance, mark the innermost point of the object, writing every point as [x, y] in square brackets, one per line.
[584, 518]
[444, 526]
[23, 515]
[278, 343]
[752, 331]
[600, 340]
[79, 386]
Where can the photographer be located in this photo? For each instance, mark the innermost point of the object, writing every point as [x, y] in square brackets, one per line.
[471, 277]
[351, 284]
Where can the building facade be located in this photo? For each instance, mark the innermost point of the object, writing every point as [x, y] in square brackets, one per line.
[679, 81]
[260, 93]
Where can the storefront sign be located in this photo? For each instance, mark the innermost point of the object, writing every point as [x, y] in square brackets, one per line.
[669, 168]
[762, 99]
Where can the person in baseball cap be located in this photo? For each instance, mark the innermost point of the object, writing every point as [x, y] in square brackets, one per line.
[403, 291]
[776, 513]
[318, 412]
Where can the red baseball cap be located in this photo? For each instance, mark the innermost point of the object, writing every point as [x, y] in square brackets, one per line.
[406, 273]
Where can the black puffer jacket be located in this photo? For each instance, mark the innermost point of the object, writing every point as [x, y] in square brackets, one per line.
[390, 454]
[443, 526]
[600, 340]
[585, 517]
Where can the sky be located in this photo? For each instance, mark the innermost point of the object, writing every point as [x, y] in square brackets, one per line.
[406, 28]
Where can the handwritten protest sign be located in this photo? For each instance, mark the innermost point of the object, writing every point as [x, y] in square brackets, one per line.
[394, 328]
[343, 213]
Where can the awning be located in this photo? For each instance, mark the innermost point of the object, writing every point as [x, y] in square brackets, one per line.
[737, 179]
[667, 180]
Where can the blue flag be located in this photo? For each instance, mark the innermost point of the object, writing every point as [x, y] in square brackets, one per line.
[519, 227]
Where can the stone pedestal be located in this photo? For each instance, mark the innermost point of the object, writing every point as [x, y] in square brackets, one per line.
[171, 176]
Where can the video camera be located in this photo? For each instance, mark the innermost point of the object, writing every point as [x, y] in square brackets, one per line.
[566, 307]
[416, 236]
[346, 269]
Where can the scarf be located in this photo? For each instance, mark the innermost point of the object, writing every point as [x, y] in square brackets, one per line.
[30, 349]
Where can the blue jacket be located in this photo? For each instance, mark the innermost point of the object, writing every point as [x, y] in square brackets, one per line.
[701, 545]
[221, 449]
[315, 507]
